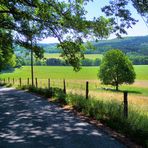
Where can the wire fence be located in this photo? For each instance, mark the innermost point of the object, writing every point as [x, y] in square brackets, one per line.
[73, 86]
[87, 88]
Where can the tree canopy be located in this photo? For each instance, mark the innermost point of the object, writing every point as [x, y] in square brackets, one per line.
[121, 16]
[28, 20]
[116, 69]
[65, 20]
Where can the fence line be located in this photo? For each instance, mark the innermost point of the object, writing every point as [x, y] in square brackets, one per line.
[79, 87]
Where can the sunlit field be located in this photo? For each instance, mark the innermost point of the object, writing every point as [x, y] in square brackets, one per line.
[61, 72]
[75, 82]
[57, 56]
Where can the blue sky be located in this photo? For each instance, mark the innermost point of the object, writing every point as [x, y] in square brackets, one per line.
[94, 10]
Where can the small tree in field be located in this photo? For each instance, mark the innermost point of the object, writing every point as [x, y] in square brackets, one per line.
[116, 69]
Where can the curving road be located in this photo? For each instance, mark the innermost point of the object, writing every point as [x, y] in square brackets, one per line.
[28, 121]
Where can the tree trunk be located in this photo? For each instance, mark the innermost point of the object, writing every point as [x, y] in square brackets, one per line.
[32, 73]
[117, 87]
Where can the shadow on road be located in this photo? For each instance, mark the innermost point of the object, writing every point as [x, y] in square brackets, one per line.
[27, 121]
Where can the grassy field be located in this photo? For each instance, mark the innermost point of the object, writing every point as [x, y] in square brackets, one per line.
[63, 72]
[75, 82]
[88, 56]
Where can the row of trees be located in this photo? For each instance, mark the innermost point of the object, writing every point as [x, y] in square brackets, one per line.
[55, 62]
[84, 62]
[139, 60]
[22, 61]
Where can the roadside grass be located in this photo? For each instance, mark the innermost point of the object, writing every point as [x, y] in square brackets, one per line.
[138, 102]
[111, 114]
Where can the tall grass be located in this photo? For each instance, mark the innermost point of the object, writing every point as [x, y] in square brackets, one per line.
[111, 114]
[138, 97]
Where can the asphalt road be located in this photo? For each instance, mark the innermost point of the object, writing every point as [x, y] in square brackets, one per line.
[29, 121]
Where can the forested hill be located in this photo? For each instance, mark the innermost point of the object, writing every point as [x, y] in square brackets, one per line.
[138, 45]
[128, 44]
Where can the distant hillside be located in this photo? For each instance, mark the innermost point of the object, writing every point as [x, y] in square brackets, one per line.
[130, 45]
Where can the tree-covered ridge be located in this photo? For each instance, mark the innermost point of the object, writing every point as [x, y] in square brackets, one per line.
[130, 45]
[137, 45]
[127, 45]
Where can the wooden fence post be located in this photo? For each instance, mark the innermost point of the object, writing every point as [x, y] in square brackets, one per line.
[13, 81]
[4, 80]
[20, 82]
[8, 80]
[125, 104]
[87, 90]
[48, 83]
[27, 81]
[36, 82]
[64, 85]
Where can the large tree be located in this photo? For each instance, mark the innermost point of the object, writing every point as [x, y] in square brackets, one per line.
[116, 69]
[65, 20]
[31, 20]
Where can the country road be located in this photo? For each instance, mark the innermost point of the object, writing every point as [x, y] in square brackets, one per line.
[28, 121]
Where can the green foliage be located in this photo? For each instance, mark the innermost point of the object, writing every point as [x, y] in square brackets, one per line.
[65, 20]
[72, 53]
[55, 62]
[141, 7]
[118, 11]
[7, 58]
[116, 69]
[91, 62]
[84, 62]
[127, 45]
[139, 60]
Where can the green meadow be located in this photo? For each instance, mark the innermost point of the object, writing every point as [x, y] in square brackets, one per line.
[66, 72]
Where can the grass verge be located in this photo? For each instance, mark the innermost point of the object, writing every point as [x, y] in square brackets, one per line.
[110, 113]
